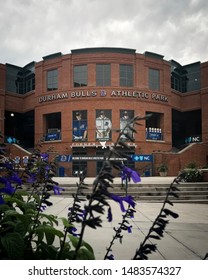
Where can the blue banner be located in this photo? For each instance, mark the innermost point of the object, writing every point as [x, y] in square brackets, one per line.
[142, 158]
[64, 158]
[52, 136]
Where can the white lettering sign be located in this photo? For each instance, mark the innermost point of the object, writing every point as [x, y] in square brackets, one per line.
[103, 93]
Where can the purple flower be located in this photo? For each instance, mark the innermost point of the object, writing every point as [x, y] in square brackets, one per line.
[130, 174]
[128, 199]
[42, 208]
[73, 230]
[5, 181]
[110, 257]
[8, 165]
[32, 178]
[8, 189]
[57, 189]
[44, 156]
[1, 200]
[129, 229]
[110, 216]
[15, 178]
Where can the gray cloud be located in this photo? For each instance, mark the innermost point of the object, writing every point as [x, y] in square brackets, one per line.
[31, 29]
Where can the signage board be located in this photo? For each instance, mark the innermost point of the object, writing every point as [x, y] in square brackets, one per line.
[135, 158]
[52, 136]
[193, 139]
[142, 158]
[64, 158]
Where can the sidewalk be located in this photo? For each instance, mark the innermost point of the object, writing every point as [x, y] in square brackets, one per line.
[185, 238]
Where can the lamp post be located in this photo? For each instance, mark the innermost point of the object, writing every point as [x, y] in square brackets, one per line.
[13, 124]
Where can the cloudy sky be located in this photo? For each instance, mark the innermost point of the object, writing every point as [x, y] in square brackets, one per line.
[31, 29]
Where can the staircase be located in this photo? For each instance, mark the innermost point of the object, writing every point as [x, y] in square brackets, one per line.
[189, 192]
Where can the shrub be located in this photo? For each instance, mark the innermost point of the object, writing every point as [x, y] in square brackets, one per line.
[163, 167]
[191, 175]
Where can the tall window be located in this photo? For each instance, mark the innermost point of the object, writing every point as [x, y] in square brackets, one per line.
[154, 126]
[103, 74]
[20, 80]
[80, 76]
[126, 75]
[154, 79]
[53, 126]
[52, 80]
[185, 78]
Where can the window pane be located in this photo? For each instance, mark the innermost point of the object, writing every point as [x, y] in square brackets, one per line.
[154, 79]
[20, 80]
[53, 126]
[80, 76]
[52, 80]
[154, 126]
[126, 75]
[103, 73]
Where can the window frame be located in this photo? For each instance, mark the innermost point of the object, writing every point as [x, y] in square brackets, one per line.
[154, 79]
[80, 78]
[105, 73]
[52, 81]
[126, 75]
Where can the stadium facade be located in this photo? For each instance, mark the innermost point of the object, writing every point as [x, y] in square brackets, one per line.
[76, 103]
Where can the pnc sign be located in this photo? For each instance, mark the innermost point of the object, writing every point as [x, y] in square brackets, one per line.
[193, 139]
[142, 158]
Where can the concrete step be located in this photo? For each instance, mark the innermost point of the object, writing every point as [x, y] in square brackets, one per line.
[189, 192]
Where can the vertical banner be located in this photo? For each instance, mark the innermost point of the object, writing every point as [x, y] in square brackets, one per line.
[103, 125]
[79, 125]
[125, 117]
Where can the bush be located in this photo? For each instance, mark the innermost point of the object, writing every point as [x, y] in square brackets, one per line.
[191, 175]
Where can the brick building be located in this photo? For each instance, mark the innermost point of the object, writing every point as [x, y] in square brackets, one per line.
[76, 102]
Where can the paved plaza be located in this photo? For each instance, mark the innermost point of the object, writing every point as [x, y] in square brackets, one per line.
[185, 238]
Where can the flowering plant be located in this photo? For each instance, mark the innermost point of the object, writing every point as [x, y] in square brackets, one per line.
[27, 232]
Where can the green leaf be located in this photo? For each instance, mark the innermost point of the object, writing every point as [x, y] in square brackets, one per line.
[74, 240]
[51, 218]
[3, 208]
[84, 254]
[13, 243]
[21, 228]
[49, 237]
[11, 213]
[19, 203]
[88, 246]
[46, 252]
[65, 222]
[48, 229]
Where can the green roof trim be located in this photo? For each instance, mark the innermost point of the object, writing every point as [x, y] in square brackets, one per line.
[103, 49]
[51, 56]
[154, 55]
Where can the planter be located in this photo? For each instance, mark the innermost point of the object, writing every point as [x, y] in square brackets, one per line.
[163, 173]
[204, 174]
[163, 170]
